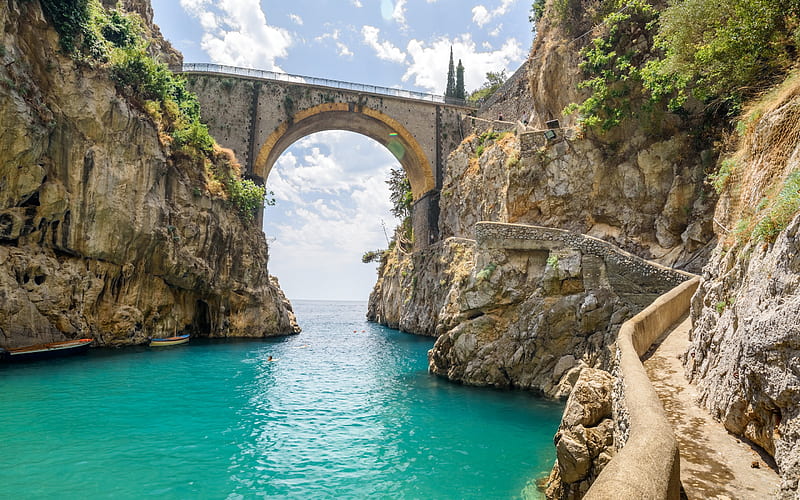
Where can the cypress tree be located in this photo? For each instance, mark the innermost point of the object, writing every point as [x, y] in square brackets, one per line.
[460, 92]
[450, 91]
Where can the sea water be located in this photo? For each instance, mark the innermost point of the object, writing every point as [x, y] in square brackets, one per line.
[346, 409]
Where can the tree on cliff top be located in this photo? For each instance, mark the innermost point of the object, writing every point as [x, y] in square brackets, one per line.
[402, 199]
[460, 92]
[450, 90]
[494, 80]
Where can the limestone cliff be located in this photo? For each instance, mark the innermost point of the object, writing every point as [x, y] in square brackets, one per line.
[518, 318]
[544, 304]
[415, 292]
[104, 232]
[745, 345]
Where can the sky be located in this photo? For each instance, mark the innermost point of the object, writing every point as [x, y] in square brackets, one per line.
[332, 203]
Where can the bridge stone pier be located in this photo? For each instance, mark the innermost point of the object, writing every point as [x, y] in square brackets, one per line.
[259, 114]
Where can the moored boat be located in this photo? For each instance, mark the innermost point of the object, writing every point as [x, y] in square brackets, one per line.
[48, 350]
[168, 341]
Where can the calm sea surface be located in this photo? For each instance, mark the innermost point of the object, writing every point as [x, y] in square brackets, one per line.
[347, 409]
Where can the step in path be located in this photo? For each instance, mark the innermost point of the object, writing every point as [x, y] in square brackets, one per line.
[714, 463]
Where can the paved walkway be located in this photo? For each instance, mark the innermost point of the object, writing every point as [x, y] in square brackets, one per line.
[714, 463]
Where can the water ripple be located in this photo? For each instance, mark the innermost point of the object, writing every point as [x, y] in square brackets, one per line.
[337, 413]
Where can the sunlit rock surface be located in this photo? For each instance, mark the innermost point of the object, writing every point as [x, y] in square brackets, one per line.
[103, 234]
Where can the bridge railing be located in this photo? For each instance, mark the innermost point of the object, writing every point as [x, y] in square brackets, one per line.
[322, 82]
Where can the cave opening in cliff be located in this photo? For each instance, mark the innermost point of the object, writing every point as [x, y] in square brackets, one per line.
[202, 318]
[333, 205]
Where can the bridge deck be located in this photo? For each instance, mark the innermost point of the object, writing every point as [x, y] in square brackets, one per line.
[321, 82]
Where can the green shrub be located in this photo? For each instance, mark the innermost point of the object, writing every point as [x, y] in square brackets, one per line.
[489, 135]
[120, 30]
[194, 135]
[719, 179]
[140, 75]
[248, 196]
[613, 65]
[372, 256]
[537, 11]
[486, 272]
[70, 18]
[781, 211]
[726, 50]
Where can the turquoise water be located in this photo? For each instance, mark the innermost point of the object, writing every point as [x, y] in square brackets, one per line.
[339, 413]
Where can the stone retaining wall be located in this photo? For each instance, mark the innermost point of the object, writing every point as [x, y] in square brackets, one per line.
[648, 464]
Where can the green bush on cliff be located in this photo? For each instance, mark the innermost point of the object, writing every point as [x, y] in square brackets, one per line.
[613, 66]
[87, 31]
[372, 256]
[140, 76]
[726, 51]
[719, 52]
[90, 33]
[71, 19]
[247, 196]
[779, 211]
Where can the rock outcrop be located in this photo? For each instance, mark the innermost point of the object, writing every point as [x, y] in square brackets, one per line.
[585, 438]
[745, 345]
[640, 187]
[417, 292]
[539, 307]
[104, 232]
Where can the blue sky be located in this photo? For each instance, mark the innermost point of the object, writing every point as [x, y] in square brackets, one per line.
[330, 190]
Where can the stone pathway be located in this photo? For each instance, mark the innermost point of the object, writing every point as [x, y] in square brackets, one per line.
[714, 463]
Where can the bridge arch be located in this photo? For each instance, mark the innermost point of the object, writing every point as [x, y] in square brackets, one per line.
[259, 114]
[353, 118]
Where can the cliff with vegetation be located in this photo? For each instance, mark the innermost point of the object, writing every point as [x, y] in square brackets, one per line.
[677, 142]
[119, 218]
[745, 344]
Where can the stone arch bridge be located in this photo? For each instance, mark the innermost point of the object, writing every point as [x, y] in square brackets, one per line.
[259, 114]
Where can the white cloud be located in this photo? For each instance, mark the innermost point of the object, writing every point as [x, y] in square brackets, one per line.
[428, 66]
[481, 15]
[296, 19]
[332, 197]
[357, 3]
[399, 13]
[384, 50]
[236, 32]
[341, 49]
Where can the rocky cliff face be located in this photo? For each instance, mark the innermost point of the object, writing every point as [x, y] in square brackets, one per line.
[103, 232]
[745, 349]
[417, 292]
[540, 306]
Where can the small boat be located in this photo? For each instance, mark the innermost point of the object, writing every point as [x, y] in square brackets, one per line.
[46, 351]
[176, 340]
